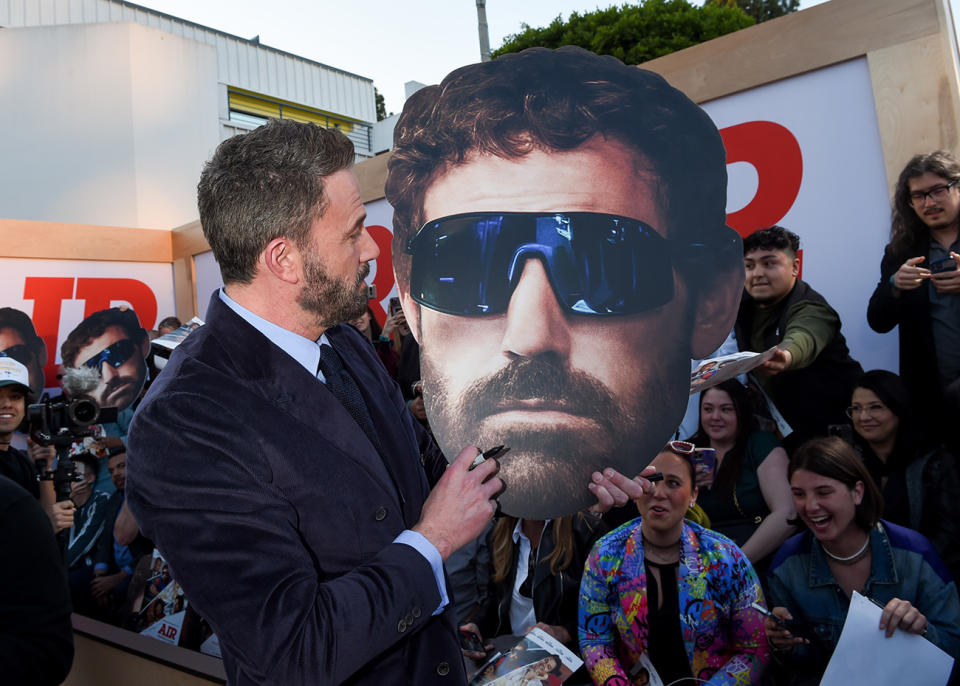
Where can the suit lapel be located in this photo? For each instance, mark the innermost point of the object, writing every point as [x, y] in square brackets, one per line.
[396, 436]
[279, 378]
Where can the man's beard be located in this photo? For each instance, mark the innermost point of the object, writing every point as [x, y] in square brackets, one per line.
[549, 466]
[332, 301]
[130, 390]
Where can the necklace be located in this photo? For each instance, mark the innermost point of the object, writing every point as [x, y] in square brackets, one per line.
[852, 559]
[666, 553]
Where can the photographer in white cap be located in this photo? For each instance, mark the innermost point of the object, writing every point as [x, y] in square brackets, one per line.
[14, 396]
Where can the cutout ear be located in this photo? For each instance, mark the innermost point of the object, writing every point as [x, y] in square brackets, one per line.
[283, 260]
[796, 267]
[716, 309]
[411, 310]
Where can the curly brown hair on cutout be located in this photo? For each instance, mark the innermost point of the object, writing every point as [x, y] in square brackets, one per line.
[555, 100]
[94, 326]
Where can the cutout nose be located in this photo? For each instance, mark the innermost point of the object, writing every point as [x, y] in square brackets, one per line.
[536, 322]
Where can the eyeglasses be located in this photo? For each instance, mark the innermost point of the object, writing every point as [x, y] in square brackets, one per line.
[684, 448]
[937, 193]
[870, 410]
[19, 352]
[598, 264]
[114, 355]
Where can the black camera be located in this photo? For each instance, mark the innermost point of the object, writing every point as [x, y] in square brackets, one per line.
[61, 421]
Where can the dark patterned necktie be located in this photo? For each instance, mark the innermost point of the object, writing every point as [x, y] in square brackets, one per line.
[345, 389]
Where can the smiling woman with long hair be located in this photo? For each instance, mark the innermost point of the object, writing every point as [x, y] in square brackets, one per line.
[668, 591]
[749, 500]
[847, 547]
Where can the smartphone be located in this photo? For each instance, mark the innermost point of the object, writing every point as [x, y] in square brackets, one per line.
[944, 264]
[470, 641]
[394, 306]
[795, 627]
[371, 291]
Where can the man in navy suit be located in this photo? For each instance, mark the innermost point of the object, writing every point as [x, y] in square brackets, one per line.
[313, 548]
[307, 523]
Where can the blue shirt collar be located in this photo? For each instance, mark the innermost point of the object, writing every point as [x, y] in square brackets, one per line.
[303, 350]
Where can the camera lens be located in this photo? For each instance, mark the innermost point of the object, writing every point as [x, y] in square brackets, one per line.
[83, 411]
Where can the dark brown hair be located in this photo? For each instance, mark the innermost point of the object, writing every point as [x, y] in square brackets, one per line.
[906, 227]
[94, 326]
[555, 100]
[836, 459]
[265, 184]
[773, 238]
[729, 470]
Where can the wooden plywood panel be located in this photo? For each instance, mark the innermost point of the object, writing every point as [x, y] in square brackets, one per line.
[916, 101]
[96, 663]
[189, 240]
[185, 288]
[372, 174]
[810, 39]
[52, 240]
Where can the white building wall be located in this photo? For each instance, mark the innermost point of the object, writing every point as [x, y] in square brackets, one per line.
[104, 124]
[240, 63]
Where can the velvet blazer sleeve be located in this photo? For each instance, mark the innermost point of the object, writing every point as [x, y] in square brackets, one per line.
[277, 516]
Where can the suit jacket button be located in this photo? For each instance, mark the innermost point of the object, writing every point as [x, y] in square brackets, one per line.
[401, 626]
[380, 514]
[443, 668]
[416, 612]
[409, 618]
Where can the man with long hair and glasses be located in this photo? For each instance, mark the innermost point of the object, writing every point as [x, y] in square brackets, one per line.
[919, 287]
[561, 253]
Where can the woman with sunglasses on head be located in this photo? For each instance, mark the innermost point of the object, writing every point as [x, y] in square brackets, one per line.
[847, 548]
[667, 591]
[918, 481]
[749, 500]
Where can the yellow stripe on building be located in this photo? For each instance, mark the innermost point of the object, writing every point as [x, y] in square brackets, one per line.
[274, 108]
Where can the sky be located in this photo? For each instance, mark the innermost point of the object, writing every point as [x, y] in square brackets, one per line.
[388, 41]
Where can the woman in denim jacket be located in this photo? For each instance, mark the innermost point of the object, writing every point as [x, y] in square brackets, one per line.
[667, 592]
[848, 548]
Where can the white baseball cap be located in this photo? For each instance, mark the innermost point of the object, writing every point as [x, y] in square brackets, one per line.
[13, 373]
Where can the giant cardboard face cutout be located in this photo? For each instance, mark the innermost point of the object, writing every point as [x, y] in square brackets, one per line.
[561, 252]
[113, 343]
[19, 340]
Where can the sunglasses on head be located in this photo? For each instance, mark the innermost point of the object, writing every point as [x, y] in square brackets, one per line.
[114, 355]
[598, 264]
[20, 353]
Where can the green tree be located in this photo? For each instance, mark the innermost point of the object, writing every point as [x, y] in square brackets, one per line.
[761, 10]
[634, 33]
[381, 105]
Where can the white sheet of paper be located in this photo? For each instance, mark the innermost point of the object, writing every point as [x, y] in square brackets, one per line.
[864, 654]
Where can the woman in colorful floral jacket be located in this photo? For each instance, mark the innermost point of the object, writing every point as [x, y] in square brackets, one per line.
[663, 592]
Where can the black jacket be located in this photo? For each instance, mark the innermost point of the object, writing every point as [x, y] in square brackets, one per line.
[911, 312]
[811, 398]
[555, 596]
